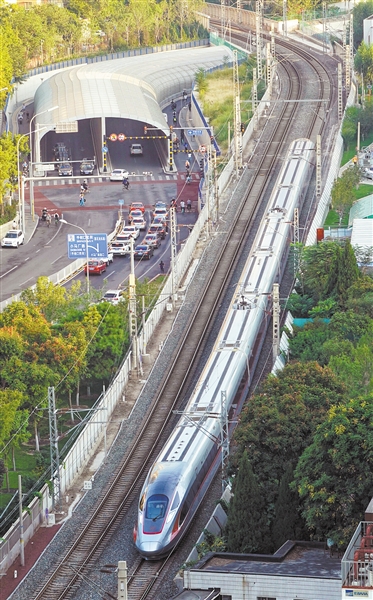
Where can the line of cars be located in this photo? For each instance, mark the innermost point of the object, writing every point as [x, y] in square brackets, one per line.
[156, 232]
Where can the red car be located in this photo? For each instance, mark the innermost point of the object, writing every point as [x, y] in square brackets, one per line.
[95, 267]
[137, 206]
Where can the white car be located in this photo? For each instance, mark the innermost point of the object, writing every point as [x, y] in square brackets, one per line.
[113, 296]
[120, 248]
[13, 239]
[118, 174]
[136, 149]
[130, 231]
[368, 173]
[139, 223]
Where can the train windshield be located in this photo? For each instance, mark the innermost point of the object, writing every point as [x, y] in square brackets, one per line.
[156, 507]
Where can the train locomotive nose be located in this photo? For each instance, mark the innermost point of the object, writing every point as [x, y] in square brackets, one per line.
[149, 549]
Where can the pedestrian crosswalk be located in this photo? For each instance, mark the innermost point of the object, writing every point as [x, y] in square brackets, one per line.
[148, 177]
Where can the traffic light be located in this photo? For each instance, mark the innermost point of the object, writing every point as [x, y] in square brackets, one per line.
[145, 130]
[242, 127]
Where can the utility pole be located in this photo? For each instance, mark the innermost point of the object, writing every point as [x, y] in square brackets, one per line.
[324, 44]
[224, 439]
[318, 167]
[276, 320]
[259, 24]
[296, 241]
[222, 22]
[237, 116]
[254, 92]
[348, 69]
[239, 7]
[269, 63]
[122, 580]
[173, 253]
[285, 17]
[351, 40]
[132, 306]
[340, 97]
[21, 536]
[54, 452]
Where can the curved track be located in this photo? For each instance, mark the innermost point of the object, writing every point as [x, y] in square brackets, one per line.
[126, 483]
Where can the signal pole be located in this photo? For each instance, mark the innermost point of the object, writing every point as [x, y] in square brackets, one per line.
[259, 24]
[132, 307]
[55, 457]
[237, 116]
[173, 253]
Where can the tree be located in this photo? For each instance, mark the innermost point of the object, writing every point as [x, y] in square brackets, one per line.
[246, 529]
[318, 270]
[348, 273]
[343, 190]
[106, 347]
[287, 523]
[364, 62]
[341, 454]
[361, 11]
[278, 423]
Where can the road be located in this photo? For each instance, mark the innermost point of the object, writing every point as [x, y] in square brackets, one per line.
[46, 253]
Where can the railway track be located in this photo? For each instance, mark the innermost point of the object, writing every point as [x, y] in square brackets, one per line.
[126, 483]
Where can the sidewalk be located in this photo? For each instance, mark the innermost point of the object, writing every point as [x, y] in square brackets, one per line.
[33, 550]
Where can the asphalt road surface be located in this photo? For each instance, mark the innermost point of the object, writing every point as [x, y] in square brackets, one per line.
[46, 253]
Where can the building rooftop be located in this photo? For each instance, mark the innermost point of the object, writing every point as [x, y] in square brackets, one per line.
[296, 559]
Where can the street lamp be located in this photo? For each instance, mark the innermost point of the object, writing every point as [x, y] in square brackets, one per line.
[21, 189]
[31, 159]
[86, 247]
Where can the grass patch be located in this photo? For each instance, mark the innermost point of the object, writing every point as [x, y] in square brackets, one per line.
[350, 153]
[216, 97]
[365, 189]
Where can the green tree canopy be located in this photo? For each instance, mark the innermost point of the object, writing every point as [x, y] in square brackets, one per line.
[246, 529]
[332, 475]
[277, 424]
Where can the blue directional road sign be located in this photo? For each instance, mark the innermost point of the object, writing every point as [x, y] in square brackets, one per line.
[105, 149]
[77, 245]
[194, 131]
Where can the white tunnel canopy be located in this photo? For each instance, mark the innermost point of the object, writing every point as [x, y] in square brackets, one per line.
[128, 88]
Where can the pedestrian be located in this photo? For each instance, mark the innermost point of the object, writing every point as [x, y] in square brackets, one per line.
[186, 147]
[188, 179]
[189, 205]
[182, 206]
[48, 220]
[161, 266]
[190, 106]
[28, 116]
[166, 227]
[56, 218]
[187, 165]
[82, 199]
[173, 204]
[182, 138]
[14, 225]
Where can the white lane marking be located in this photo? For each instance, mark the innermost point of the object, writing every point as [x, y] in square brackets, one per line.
[10, 270]
[110, 274]
[24, 282]
[57, 259]
[28, 258]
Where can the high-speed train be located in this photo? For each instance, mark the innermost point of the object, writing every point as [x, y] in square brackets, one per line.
[178, 478]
